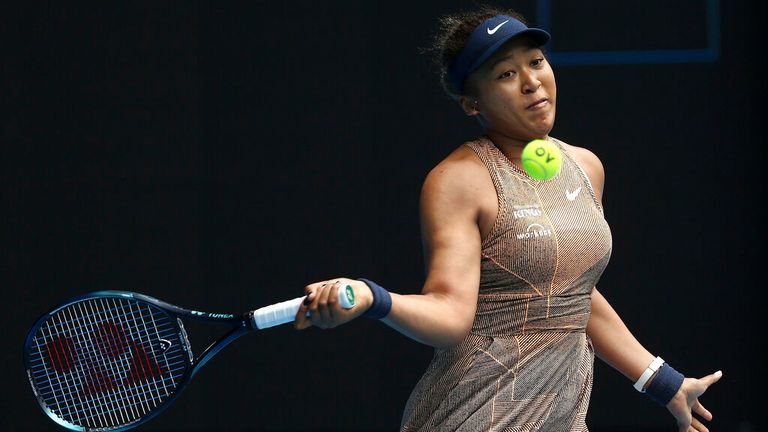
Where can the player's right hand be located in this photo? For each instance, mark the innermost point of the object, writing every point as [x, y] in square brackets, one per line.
[322, 309]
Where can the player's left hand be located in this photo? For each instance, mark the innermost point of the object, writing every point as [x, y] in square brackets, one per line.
[686, 402]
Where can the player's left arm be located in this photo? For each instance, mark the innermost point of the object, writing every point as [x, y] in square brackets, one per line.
[618, 347]
[613, 341]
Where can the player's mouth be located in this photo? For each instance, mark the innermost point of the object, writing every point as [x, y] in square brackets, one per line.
[539, 104]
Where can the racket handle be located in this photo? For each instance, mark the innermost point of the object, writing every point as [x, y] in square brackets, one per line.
[284, 312]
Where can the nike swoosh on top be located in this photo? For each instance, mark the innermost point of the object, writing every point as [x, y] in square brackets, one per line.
[490, 32]
[572, 195]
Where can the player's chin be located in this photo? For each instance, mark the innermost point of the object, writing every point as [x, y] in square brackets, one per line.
[537, 126]
[544, 119]
[539, 130]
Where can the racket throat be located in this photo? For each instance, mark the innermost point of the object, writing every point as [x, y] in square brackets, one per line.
[184, 339]
[217, 346]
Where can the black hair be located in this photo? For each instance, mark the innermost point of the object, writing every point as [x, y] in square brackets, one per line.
[452, 34]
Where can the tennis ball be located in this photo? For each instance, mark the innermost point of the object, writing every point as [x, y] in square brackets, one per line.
[541, 159]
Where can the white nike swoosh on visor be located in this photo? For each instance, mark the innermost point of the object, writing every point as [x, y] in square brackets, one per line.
[490, 32]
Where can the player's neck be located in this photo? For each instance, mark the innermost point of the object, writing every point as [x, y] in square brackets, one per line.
[511, 147]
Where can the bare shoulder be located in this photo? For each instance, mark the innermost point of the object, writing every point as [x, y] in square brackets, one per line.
[591, 165]
[460, 183]
[460, 173]
[586, 158]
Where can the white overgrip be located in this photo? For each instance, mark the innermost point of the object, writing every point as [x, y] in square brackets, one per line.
[276, 314]
[285, 312]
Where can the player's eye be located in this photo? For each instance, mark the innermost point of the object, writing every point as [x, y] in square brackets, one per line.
[507, 74]
[537, 62]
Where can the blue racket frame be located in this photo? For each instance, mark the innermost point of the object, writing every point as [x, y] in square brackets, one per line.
[241, 324]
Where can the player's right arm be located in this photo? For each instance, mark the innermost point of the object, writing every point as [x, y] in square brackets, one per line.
[441, 315]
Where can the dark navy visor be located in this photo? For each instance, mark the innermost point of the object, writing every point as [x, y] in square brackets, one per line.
[485, 40]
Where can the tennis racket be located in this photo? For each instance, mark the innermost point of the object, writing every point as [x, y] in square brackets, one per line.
[111, 360]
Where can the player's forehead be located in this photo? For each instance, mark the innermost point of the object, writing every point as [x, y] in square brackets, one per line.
[516, 49]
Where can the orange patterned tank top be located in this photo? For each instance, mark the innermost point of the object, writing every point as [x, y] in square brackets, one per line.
[526, 365]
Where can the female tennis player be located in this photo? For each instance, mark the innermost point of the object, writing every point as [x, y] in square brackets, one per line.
[509, 301]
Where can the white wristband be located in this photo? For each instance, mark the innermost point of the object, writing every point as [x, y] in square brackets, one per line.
[649, 371]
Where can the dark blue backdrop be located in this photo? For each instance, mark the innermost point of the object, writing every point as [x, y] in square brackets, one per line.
[221, 155]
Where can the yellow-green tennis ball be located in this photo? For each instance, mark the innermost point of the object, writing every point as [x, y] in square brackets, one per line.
[541, 159]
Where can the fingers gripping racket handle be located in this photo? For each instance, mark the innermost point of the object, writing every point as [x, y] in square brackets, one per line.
[284, 312]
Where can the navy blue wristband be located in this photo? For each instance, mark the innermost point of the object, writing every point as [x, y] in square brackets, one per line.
[665, 385]
[382, 301]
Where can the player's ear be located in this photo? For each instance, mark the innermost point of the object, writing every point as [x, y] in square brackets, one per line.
[470, 105]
